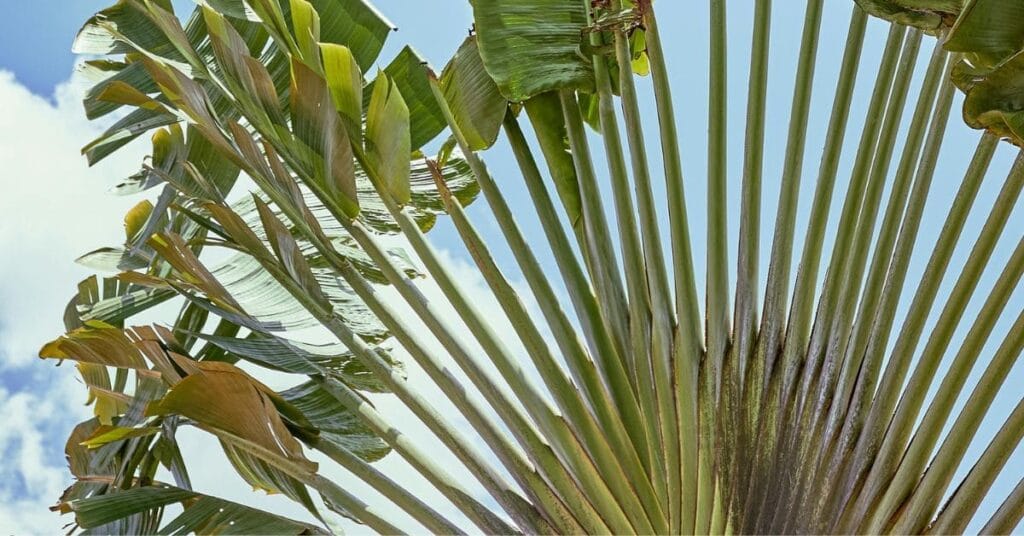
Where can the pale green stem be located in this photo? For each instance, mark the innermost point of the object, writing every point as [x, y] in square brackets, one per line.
[799, 365]
[803, 294]
[637, 356]
[717, 274]
[865, 390]
[518, 423]
[961, 507]
[707, 481]
[844, 279]
[843, 282]
[744, 335]
[634, 503]
[351, 504]
[604, 266]
[954, 447]
[573, 452]
[750, 208]
[912, 398]
[914, 516]
[687, 303]
[718, 223]
[858, 367]
[687, 339]
[769, 400]
[883, 116]
[779, 268]
[548, 301]
[888, 393]
[400, 496]
[657, 387]
[419, 459]
[511, 231]
[777, 288]
[1009, 514]
[886, 243]
[611, 365]
[511, 456]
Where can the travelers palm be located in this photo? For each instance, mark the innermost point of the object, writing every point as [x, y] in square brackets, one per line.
[287, 172]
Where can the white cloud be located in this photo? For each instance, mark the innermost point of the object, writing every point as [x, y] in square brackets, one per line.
[54, 208]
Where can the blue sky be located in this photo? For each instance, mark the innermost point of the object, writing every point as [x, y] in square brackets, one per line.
[58, 209]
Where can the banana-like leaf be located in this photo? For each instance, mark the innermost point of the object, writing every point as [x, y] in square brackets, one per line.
[388, 142]
[110, 259]
[352, 23]
[408, 71]
[355, 24]
[247, 418]
[295, 357]
[335, 422]
[927, 15]
[119, 308]
[271, 305]
[203, 514]
[102, 511]
[343, 243]
[130, 73]
[424, 197]
[533, 46]
[125, 130]
[475, 101]
[225, 398]
[97, 343]
[145, 36]
[317, 124]
[211, 515]
[991, 36]
[989, 30]
[993, 97]
[128, 18]
[545, 114]
[345, 80]
[245, 295]
[424, 205]
[89, 294]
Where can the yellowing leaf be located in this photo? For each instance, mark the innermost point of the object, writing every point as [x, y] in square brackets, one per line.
[96, 343]
[306, 22]
[109, 434]
[223, 398]
[346, 83]
[387, 138]
[136, 218]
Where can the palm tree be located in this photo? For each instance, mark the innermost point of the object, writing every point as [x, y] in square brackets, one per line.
[286, 178]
